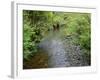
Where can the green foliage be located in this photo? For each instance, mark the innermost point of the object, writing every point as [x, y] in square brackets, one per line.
[38, 24]
[35, 26]
[79, 26]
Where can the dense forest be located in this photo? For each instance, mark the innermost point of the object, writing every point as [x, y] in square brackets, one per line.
[38, 25]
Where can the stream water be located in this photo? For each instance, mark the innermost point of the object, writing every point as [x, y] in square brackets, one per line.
[62, 53]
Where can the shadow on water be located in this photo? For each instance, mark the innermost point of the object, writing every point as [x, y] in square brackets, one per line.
[38, 60]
